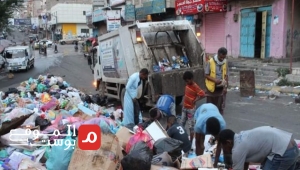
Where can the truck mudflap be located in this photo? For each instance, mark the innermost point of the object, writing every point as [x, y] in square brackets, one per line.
[172, 83]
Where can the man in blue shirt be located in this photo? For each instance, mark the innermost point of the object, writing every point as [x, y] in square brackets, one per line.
[165, 106]
[208, 121]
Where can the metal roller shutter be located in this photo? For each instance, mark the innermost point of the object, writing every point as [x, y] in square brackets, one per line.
[214, 32]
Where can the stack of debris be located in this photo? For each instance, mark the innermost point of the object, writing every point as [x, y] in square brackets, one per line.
[40, 121]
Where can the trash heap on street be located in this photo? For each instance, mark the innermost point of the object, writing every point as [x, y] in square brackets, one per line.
[39, 127]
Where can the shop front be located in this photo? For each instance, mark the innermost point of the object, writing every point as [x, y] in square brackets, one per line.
[208, 17]
[99, 21]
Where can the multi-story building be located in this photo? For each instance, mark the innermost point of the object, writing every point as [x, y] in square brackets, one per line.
[69, 23]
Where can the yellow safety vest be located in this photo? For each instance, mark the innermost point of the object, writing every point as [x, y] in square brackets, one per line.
[210, 85]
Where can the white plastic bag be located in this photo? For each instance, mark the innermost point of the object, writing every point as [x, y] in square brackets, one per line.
[53, 81]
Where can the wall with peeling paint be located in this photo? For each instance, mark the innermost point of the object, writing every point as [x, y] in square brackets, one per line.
[296, 33]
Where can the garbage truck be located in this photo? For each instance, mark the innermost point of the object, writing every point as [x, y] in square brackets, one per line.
[167, 49]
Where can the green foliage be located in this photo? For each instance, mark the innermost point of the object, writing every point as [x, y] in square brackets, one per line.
[7, 8]
[285, 82]
[282, 72]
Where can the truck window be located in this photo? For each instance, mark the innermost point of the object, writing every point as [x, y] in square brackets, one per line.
[15, 54]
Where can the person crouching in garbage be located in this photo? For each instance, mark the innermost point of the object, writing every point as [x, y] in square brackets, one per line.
[176, 131]
[275, 149]
[209, 121]
[165, 106]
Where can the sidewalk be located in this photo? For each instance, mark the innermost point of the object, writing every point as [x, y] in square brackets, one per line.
[263, 68]
[281, 89]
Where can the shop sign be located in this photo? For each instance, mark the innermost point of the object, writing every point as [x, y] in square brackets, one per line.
[113, 20]
[189, 7]
[150, 7]
[99, 15]
[129, 13]
[215, 6]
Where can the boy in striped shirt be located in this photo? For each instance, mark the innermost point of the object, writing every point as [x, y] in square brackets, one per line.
[193, 93]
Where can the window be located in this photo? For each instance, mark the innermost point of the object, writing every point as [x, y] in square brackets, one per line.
[83, 12]
[85, 31]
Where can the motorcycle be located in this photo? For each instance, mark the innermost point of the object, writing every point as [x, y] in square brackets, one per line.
[55, 49]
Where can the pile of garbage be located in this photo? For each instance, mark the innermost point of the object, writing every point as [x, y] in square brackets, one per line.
[39, 108]
[41, 118]
[177, 63]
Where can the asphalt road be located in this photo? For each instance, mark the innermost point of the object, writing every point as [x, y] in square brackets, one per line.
[240, 113]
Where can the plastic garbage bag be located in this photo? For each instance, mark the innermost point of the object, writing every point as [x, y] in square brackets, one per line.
[101, 101]
[53, 81]
[170, 145]
[140, 157]
[59, 158]
[139, 136]
[41, 88]
[43, 123]
[30, 121]
[45, 97]
[51, 115]
[15, 113]
[50, 105]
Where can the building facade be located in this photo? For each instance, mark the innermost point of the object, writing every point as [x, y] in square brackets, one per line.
[253, 29]
[71, 23]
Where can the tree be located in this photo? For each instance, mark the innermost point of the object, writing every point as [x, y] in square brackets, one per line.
[7, 8]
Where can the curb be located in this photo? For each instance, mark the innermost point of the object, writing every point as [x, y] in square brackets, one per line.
[281, 89]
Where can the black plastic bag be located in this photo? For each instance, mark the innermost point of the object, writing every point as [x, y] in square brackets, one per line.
[88, 99]
[139, 157]
[170, 145]
[43, 123]
[136, 111]
[97, 99]
[61, 85]
[11, 90]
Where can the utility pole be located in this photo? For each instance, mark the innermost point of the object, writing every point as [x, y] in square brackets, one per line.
[46, 27]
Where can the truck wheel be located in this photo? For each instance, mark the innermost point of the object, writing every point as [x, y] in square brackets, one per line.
[122, 97]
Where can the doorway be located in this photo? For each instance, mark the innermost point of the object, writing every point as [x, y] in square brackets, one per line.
[255, 32]
[258, 33]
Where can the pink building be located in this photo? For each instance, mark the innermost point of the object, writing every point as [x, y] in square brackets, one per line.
[253, 29]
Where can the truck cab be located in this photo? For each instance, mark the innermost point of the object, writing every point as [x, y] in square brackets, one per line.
[19, 58]
[167, 49]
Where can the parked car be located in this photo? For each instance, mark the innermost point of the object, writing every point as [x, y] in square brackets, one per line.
[68, 41]
[48, 42]
[37, 43]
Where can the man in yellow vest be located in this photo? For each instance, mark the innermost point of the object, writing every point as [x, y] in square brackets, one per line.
[216, 79]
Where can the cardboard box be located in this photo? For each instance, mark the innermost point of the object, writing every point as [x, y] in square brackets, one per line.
[123, 135]
[109, 156]
[202, 161]
[156, 131]
[160, 167]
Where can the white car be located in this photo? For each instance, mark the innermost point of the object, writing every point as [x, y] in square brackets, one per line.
[48, 42]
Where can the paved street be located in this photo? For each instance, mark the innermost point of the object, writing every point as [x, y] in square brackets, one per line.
[240, 113]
